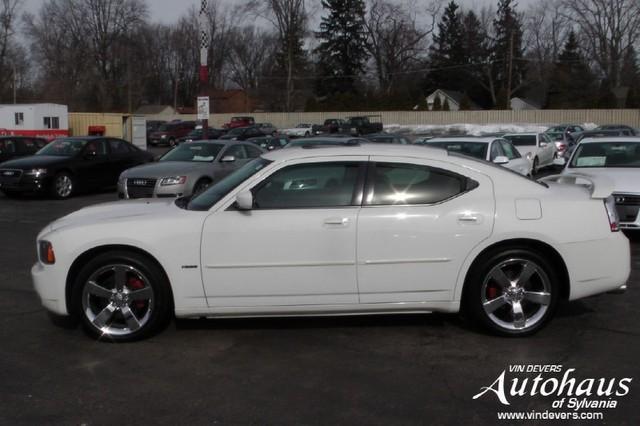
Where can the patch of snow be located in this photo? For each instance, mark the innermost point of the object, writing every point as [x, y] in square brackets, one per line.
[471, 129]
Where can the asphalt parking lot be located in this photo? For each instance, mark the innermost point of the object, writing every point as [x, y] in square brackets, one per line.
[417, 369]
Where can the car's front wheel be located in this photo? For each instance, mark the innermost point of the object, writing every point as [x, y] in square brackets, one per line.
[512, 292]
[121, 296]
[63, 185]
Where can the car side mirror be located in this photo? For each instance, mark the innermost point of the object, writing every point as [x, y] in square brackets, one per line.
[244, 200]
[228, 159]
[501, 159]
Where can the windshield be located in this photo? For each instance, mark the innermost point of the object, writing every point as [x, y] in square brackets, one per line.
[522, 140]
[556, 136]
[195, 133]
[63, 147]
[236, 131]
[219, 190]
[193, 152]
[607, 154]
[472, 149]
[557, 129]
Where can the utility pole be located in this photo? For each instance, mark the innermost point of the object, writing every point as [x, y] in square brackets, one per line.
[508, 94]
[202, 103]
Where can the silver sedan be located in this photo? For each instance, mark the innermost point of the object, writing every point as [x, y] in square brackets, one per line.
[187, 169]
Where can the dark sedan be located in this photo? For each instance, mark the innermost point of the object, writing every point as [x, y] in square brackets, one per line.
[243, 133]
[19, 146]
[68, 165]
[197, 135]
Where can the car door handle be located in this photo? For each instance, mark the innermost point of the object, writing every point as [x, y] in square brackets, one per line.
[341, 221]
[470, 218]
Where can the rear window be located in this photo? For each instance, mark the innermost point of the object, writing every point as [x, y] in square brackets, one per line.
[472, 149]
[522, 140]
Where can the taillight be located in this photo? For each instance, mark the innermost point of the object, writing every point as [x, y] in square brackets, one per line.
[45, 252]
[562, 147]
[612, 213]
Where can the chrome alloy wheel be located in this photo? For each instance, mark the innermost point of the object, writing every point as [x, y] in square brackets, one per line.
[117, 300]
[516, 294]
[64, 185]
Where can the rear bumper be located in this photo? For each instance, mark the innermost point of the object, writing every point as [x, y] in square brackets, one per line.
[597, 266]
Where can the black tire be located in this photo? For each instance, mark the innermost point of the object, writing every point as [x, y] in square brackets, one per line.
[534, 168]
[11, 194]
[480, 285]
[56, 189]
[200, 186]
[151, 315]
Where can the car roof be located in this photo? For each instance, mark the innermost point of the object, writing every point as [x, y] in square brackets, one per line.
[611, 139]
[523, 134]
[465, 139]
[298, 152]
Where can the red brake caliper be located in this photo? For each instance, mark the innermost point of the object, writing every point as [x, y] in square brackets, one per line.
[492, 291]
[136, 284]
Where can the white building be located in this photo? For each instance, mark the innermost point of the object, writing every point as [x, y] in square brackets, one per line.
[45, 120]
[452, 97]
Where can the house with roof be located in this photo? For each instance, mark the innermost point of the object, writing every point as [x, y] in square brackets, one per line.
[151, 109]
[454, 98]
[520, 104]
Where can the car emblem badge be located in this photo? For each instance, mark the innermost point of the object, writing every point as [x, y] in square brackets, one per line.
[7, 173]
[140, 182]
[619, 200]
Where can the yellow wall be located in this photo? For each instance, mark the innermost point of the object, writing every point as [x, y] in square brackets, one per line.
[79, 123]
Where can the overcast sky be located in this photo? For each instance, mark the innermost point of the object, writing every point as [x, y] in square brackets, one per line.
[168, 11]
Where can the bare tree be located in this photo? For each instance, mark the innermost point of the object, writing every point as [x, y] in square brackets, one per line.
[395, 39]
[8, 13]
[608, 29]
[289, 19]
[249, 54]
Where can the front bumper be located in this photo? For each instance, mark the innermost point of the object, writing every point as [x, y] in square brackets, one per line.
[26, 184]
[50, 286]
[126, 191]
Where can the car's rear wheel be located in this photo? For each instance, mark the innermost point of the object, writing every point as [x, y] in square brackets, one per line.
[63, 185]
[512, 292]
[121, 296]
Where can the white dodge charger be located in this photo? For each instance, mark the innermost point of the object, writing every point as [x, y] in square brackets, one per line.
[337, 230]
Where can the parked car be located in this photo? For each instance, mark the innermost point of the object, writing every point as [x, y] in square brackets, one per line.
[239, 122]
[186, 170]
[301, 130]
[330, 125]
[169, 133]
[495, 150]
[361, 125]
[332, 140]
[564, 135]
[68, 165]
[393, 138]
[267, 128]
[329, 231]
[19, 146]
[537, 147]
[626, 130]
[242, 133]
[152, 126]
[618, 159]
[590, 134]
[269, 143]
[197, 135]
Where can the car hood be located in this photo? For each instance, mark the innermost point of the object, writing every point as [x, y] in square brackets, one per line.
[625, 180]
[166, 168]
[33, 161]
[117, 210]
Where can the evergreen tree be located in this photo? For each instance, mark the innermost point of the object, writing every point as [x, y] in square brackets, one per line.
[447, 53]
[445, 105]
[572, 83]
[341, 53]
[630, 78]
[475, 48]
[437, 104]
[509, 69]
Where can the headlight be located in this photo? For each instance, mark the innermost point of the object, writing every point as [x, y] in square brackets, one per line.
[36, 172]
[529, 155]
[173, 180]
[163, 136]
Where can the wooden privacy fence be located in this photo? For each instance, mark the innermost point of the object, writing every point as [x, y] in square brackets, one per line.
[119, 125]
[630, 117]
